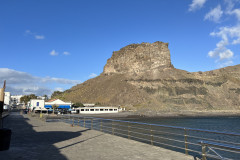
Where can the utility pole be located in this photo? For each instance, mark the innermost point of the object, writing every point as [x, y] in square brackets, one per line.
[2, 103]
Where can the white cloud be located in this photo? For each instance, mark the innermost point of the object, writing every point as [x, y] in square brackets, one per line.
[25, 83]
[53, 53]
[229, 5]
[228, 33]
[196, 4]
[59, 89]
[236, 12]
[39, 37]
[236, 41]
[92, 75]
[58, 80]
[226, 54]
[66, 53]
[230, 8]
[229, 36]
[28, 32]
[221, 53]
[30, 89]
[224, 64]
[34, 35]
[214, 15]
[15, 77]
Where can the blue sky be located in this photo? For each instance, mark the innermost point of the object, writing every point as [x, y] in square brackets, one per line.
[53, 45]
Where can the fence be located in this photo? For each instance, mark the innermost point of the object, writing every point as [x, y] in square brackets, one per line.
[197, 142]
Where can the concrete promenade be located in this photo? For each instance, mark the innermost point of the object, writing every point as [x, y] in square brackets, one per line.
[34, 139]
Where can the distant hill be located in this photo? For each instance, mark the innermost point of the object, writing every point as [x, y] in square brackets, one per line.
[142, 77]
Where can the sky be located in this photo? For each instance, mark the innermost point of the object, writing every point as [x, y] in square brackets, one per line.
[50, 45]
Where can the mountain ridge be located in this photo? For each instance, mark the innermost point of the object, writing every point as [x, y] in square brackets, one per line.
[142, 77]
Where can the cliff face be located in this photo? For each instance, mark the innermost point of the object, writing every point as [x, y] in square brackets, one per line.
[180, 90]
[138, 58]
[141, 76]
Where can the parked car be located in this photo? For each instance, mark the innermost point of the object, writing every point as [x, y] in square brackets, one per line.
[63, 111]
[73, 111]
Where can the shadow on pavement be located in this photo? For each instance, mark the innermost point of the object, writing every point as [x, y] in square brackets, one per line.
[80, 141]
[29, 144]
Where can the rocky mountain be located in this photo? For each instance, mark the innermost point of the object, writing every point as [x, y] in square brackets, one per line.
[136, 59]
[142, 77]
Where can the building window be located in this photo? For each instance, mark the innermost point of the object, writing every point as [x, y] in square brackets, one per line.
[110, 109]
[87, 109]
[101, 109]
[91, 109]
[96, 109]
[37, 103]
[106, 109]
[82, 109]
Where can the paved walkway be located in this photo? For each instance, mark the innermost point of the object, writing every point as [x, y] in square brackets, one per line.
[34, 139]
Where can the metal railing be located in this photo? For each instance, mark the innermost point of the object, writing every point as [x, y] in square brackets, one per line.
[187, 140]
[212, 146]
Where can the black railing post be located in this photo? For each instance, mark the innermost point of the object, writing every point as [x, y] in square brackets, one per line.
[204, 152]
[185, 141]
[92, 123]
[73, 122]
[84, 123]
[112, 128]
[151, 134]
[129, 127]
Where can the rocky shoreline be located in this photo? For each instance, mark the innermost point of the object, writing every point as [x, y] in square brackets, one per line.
[197, 114]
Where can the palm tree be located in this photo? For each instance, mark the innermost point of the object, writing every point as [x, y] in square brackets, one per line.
[46, 97]
[54, 107]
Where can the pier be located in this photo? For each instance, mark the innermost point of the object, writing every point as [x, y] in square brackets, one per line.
[33, 138]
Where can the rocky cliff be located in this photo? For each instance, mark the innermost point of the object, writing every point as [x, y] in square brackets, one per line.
[141, 76]
[139, 58]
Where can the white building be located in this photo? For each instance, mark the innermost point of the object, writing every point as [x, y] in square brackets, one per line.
[37, 105]
[61, 104]
[97, 110]
[16, 99]
[7, 98]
